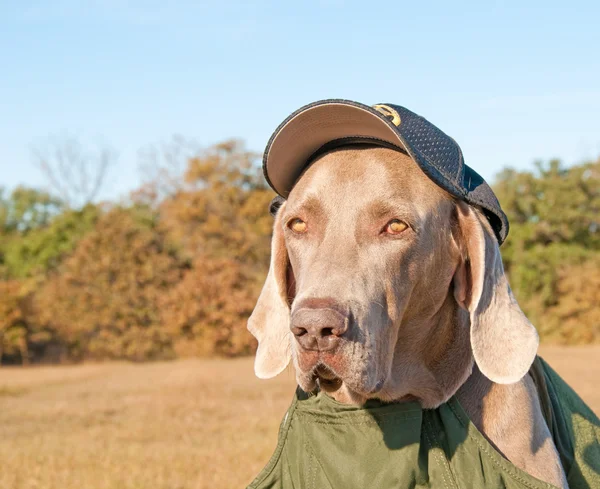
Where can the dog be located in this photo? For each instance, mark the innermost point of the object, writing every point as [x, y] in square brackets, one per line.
[383, 285]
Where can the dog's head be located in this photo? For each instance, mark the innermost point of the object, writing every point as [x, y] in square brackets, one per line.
[382, 285]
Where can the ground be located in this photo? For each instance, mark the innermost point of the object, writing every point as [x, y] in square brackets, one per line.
[190, 424]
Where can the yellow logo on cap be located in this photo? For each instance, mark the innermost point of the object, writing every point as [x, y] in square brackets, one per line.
[388, 112]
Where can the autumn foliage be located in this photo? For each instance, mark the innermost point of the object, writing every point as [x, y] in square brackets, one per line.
[103, 300]
[205, 312]
[175, 270]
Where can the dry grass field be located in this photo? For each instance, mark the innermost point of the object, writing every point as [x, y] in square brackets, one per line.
[190, 424]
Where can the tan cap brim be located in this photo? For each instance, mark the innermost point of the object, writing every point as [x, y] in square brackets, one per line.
[308, 129]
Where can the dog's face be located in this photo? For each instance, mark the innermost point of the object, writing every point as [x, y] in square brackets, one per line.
[372, 284]
[365, 231]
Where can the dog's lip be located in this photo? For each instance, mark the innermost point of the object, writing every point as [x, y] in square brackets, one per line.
[327, 378]
[324, 372]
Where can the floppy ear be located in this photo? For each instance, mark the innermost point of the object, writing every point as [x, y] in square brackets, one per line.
[503, 341]
[270, 320]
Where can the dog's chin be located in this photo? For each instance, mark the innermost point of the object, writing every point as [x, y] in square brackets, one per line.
[323, 378]
[342, 388]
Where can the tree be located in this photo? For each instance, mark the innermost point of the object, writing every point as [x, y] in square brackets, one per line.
[26, 209]
[575, 316]
[12, 330]
[163, 167]
[103, 300]
[75, 174]
[19, 329]
[217, 215]
[38, 250]
[221, 211]
[206, 312]
[554, 215]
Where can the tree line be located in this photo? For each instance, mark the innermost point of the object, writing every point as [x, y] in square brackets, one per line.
[174, 270]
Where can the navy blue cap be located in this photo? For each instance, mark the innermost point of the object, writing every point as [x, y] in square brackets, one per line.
[315, 126]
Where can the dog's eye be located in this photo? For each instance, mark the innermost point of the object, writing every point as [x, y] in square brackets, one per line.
[297, 225]
[396, 226]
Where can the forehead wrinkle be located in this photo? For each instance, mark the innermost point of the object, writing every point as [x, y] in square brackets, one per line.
[380, 208]
[356, 175]
[309, 204]
[410, 189]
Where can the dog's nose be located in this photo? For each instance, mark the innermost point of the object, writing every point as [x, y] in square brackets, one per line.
[318, 328]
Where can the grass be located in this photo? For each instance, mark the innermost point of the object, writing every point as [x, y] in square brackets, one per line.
[190, 424]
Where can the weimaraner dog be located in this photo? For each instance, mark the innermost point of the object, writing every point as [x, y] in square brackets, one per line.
[383, 285]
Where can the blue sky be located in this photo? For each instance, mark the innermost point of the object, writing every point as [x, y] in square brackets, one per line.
[510, 81]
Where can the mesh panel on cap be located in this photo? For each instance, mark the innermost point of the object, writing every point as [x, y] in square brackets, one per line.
[431, 143]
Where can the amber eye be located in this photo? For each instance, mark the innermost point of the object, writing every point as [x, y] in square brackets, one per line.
[395, 226]
[298, 225]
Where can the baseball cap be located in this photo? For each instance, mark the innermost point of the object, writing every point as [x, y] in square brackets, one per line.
[320, 126]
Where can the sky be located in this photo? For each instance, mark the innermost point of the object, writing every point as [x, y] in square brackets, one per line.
[512, 82]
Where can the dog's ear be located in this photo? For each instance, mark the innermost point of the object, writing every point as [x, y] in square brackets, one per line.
[503, 341]
[270, 320]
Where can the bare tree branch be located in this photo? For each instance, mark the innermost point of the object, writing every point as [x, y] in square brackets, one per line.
[162, 167]
[76, 175]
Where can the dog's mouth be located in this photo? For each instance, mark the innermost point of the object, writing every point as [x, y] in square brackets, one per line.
[329, 373]
[326, 378]
[323, 372]
[337, 373]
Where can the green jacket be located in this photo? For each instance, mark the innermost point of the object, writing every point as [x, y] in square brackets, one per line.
[325, 444]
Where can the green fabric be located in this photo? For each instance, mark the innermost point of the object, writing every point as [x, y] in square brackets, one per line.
[574, 427]
[325, 444]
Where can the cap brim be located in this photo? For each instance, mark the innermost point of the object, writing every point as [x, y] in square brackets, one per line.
[310, 127]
